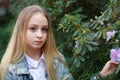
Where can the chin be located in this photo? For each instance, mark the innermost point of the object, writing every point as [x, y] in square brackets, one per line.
[37, 47]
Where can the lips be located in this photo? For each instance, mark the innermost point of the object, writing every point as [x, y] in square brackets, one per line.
[38, 42]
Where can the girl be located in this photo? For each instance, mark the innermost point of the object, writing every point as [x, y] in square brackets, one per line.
[31, 53]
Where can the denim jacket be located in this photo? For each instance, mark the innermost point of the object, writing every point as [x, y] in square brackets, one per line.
[94, 78]
[19, 71]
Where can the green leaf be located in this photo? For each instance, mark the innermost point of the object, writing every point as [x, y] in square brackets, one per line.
[93, 43]
[104, 33]
[77, 62]
[78, 50]
[75, 33]
[98, 35]
[82, 58]
[118, 69]
[89, 47]
[90, 36]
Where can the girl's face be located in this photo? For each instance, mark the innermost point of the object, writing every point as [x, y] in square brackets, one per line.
[37, 30]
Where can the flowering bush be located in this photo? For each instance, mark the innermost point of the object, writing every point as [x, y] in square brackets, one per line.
[77, 33]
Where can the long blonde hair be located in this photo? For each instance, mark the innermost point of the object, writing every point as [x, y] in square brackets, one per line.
[17, 44]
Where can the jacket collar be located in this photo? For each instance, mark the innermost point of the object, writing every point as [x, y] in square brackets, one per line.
[22, 67]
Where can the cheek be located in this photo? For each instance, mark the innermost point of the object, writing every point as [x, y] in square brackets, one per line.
[46, 36]
[28, 36]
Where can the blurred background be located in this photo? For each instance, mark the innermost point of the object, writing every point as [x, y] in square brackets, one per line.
[80, 28]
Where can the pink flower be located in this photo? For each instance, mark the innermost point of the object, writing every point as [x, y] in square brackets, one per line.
[77, 44]
[115, 55]
[110, 34]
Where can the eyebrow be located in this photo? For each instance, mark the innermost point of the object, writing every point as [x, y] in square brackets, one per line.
[37, 25]
[45, 26]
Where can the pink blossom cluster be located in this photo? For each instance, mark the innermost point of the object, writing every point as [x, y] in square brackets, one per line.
[110, 34]
[77, 44]
[115, 55]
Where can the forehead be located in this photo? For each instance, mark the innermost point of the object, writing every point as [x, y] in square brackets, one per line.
[38, 19]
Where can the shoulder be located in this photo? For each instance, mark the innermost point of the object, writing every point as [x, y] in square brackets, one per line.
[15, 69]
[11, 71]
[60, 59]
[62, 68]
[12, 66]
[59, 56]
[60, 63]
[20, 65]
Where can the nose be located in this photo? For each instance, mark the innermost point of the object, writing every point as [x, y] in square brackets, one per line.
[39, 34]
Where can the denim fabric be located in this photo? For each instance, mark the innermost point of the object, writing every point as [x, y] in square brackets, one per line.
[19, 71]
[94, 78]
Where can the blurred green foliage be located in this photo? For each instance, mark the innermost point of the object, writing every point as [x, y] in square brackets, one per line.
[80, 28]
[5, 33]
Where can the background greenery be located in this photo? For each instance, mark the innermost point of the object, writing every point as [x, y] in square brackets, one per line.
[84, 21]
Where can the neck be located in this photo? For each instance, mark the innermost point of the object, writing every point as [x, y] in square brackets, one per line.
[34, 53]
